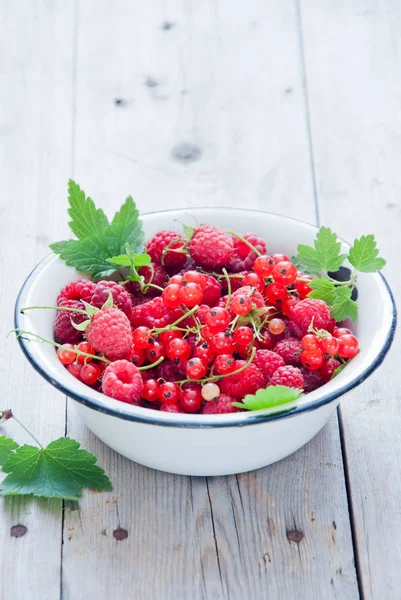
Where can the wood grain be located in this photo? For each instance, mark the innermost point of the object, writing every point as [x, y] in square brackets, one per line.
[352, 53]
[201, 113]
[35, 124]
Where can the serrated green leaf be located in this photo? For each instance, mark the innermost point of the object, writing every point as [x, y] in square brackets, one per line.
[85, 256]
[324, 256]
[270, 397]
[322, 289]
[61, 470]
[122, 260]
[87, 221]
[364, 255]
[7, 447]
[343, 307]
[125, 228]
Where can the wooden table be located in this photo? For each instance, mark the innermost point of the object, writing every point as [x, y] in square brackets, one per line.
[291, 107]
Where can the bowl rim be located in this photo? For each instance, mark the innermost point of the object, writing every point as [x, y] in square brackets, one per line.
[202, 421]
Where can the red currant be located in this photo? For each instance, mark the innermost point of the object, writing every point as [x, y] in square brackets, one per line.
[217, 319]
[241, 305]
[253, 280]
[264, 265]
[178, 350]
[310, 342]
[276, 326]
[329, 345]
[223, 343]
[196, 368]
[137, 356]
[266, 340]
[287, 304]
[175, 279]
[171, 295]
[90, 373]
[206, 334]
[75, 369]
[245, 351]
[285, 272]
[151, 390]
[276, 293]
[66, 354]
[191, 397]
[194, 277]
[243, 336]
[340, 331]
[85, 347]
[280, 258]
[155, 351]
[141, 337]
[224, 363]
[191, 294]
[348, 346]
[312, 359]
[302, 286]
[327, 369]
[204, 352]
[169, 392]
[168, 335]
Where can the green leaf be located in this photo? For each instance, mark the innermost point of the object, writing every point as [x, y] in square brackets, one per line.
[270, 397]
[98, 241]
[364, 255]
[322, 289]
[325, 256]
[188, 231]
[7, 446]
[136, 260]
[61, 470]
[343, 307]
[122, 260]
[338, 370]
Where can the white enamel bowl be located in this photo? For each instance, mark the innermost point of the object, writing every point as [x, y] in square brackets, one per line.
[208, 444]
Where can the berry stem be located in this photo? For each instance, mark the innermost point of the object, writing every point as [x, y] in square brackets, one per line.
[228, 287]
[218, 377]
[20, 332]
[184, 316]
[251, 246]
[27, 430]
[67, 308]
[147, 367]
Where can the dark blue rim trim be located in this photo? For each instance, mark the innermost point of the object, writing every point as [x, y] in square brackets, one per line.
[200, 423]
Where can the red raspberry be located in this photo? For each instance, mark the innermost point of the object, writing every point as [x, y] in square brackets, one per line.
[247, 382]
[289, 349]
[152, 314]
[304, 311]
[80, 289]
[289, 376]
[110, 333]
[211, 247]
[268, 362]
[160, 241]
[223, 405]
[243, 257]
[312, 380]
[212, 291]
[123, 381]
[64, 331]
[121, 298]
[154, 273]
[171, 408]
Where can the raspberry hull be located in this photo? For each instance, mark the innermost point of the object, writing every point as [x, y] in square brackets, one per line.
[209, 321]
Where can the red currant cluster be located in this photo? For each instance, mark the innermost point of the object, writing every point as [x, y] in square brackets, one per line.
[208, 333]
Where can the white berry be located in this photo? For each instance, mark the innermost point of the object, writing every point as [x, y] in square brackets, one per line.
[210, 391]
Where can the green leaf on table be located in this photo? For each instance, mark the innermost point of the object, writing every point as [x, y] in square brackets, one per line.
[322, 289]
[7, 447]
[343, 307]
[98, 240]
[61, 470]
[364, 255]
[324, 256]
[270, 397]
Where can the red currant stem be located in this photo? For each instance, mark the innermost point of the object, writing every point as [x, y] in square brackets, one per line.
[184, 316]
[218, 377]
[158, 361]
[53, 343]
[27, 430]
[152, 285]
[251, 246]
[228, 288]
[233, 323]
[75, 310]
[256, 330]
[181, 250]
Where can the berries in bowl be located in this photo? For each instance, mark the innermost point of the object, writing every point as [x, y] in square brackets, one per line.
[204, 350]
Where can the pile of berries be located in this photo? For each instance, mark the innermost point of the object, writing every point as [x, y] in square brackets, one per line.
[212, 319]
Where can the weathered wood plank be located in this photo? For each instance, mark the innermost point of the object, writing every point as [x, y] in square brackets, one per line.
[352, 53]
[36, 108]
[189, 106]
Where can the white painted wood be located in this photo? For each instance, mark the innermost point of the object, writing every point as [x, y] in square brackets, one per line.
[225, 80]
[35, 124]
[352, 52]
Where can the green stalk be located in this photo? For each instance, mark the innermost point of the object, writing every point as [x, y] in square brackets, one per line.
[53, 343]
[251, 246]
